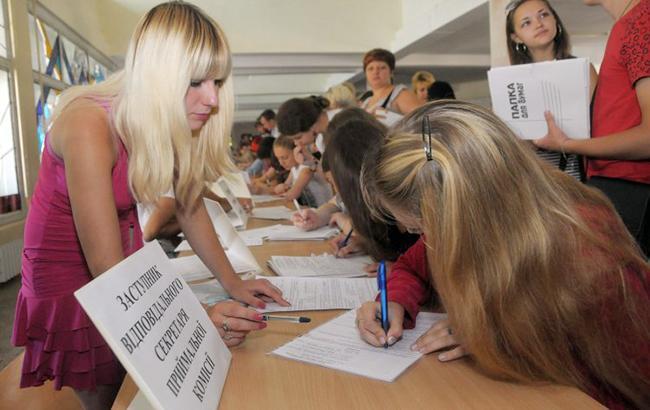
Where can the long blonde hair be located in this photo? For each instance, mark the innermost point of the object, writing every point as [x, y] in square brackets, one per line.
[173, 44]
[540, 278]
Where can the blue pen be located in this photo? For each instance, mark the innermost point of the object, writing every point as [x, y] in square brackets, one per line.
[383, 297]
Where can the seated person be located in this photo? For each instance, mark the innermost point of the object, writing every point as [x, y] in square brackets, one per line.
[263, 161]
[302, 182]
[539, 277]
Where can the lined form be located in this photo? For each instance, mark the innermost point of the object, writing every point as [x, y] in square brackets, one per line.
[320, 265]
[338, 345]
[322, 293]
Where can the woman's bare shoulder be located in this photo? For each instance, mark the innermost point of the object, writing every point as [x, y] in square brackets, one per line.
[83, 123]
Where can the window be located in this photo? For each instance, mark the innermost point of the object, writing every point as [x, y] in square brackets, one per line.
[10, 187]
[60, 59]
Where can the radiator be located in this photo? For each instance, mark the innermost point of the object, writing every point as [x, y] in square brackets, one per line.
[10, 259]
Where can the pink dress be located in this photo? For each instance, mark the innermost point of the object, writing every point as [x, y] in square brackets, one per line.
[61, 343]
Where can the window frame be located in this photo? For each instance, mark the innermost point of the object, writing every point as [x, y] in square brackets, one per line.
[6, 64]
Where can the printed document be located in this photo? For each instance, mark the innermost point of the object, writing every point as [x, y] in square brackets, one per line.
[285, 233]
[338, 345]
[320, 265]
[291, 233]
[521, 93]
[322, 293]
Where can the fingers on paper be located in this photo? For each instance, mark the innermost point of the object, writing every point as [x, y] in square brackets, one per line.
[439, 336]
[396, 328]
[264, 287]
[346, 250]
[334, 243]
[371, 269]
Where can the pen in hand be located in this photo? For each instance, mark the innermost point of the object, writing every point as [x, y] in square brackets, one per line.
[383, 298]
[344, 242]
[297, 205]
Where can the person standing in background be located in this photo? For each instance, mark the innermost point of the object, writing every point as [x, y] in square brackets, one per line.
[535, 33]
[420, 82]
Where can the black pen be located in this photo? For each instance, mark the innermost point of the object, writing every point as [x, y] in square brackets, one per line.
[345, 241]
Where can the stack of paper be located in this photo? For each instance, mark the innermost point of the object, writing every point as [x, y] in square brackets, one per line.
[337, 345]
[320, 265]
[322, 293]
[285, 233]
[273, 212]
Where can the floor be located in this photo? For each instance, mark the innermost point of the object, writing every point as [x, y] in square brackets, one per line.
[8, 292]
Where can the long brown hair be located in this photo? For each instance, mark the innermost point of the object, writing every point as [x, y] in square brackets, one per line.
[520, 54]
[352, 135]
[540, 278]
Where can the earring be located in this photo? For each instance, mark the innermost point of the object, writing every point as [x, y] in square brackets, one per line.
[559, 30]
[521, 48]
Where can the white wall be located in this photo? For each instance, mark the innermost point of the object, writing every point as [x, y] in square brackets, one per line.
[298, 26]
[107, 25]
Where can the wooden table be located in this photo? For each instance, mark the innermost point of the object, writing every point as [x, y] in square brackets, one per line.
[257, 380]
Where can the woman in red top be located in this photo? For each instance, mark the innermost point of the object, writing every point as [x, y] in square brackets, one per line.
[619, 147]
[539, 277]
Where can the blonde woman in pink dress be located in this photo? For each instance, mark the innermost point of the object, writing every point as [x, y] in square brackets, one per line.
[162, 123]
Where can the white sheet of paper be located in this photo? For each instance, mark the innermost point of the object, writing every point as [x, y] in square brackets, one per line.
[273, 212]
[291, 233]
[320, 265]
[260, 199]
[154, 324]
[256, 236]
[521, 93]
[191, 268]
[337, 345]
[322, 293]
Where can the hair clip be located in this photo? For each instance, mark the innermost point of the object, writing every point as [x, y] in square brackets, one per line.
[512, 5]
[426, 132]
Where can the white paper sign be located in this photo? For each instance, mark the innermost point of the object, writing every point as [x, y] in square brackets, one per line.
[236, 183]
[240, 256]
[521, 93]
[238, 216]
[158, 330]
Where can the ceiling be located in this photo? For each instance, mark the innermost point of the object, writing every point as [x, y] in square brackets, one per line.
[287, 48]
